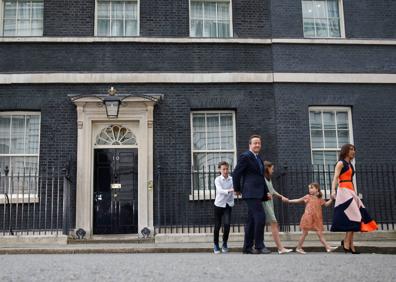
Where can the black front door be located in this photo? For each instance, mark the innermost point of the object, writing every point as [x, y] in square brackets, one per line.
[115, 191]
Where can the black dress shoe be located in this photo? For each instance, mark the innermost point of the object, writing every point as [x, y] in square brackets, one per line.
[248, 251]
[263, 251]
[354, 252]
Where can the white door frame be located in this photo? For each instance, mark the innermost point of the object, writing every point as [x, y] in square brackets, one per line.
[136, 111]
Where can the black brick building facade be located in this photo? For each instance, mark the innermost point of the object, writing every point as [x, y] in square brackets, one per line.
[263, 42]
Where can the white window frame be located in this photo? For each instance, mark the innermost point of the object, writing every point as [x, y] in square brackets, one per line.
[2, 21]
[19, 197]
[205, 194]
[230, 13]
[96, 17]
[335, 109]
[342, 21]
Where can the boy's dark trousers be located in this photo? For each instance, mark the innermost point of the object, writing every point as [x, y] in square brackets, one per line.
[220, 212]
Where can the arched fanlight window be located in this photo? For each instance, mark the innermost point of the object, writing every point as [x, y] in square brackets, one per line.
[116, 135]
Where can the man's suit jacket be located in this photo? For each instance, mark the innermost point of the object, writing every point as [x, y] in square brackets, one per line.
[247, 178]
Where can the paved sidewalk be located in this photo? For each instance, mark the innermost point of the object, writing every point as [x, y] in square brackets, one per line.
[380, 242]
[379, 247]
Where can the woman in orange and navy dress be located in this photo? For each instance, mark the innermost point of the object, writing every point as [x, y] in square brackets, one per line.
[350, 215]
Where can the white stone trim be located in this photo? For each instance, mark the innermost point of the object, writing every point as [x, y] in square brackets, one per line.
[335, 41]
[163, 77]
[19, 199]
[195, 40]
[174, 78]
[335, 78]
[94, 39]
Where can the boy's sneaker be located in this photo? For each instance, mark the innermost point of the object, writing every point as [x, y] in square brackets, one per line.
[216, 249]
[224, 248]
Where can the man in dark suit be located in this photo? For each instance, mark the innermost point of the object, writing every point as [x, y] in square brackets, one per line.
[248, 179]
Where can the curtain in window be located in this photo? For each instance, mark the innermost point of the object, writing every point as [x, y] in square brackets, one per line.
[321, 18]
[210, 19]
[23, 18]
[117, 18]
[213, 140]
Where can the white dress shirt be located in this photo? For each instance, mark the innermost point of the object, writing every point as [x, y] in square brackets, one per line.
[224, 197]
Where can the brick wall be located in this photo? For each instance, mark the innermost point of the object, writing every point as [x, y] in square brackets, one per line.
[135, 57]
[373, 118]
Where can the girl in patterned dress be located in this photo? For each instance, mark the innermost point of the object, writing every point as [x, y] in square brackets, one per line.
[312, 219]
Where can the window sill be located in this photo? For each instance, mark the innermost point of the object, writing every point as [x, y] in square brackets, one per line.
[19, 199]
[205, 196]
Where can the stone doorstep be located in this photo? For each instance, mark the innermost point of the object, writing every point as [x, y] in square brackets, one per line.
[34, 239]
[290, 236]
[111, 249]
[184, 238]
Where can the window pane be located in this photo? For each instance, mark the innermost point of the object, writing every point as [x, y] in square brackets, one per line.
[23, 27]
[10, 10]
[342, 120]
[9, 27]
[196, 10]
[31, 165]
[213, 159]
[315, 119]
[330, 159]
[332, 8]
[199, 134]
[209, 28]
[210, 11]
[5, 123]
[4, 161]
[334, 27]
[117, 10]
[223, 12]
[320, 9]
[329, 120]
[32, 134]
[229, 158]
[103, 27]
[103, 10]
[224, 29]
[309, 28]
[17, 165]
[131, 28]
[197, 28]
[117, 27]
[318, 158]
[317, 139]
[213, 133]
[226, 128]
[307, 8]
[17, 134]
[131, 10]
[37, 10]
[321, 28]
[23, 10]
[37, 28]
[330, 139]
[343, 137]
[199, 161]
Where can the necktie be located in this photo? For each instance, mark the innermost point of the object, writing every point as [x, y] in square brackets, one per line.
[260, 164]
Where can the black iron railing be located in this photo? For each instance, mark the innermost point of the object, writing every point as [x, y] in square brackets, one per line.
[35, 202]
[183, 201]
